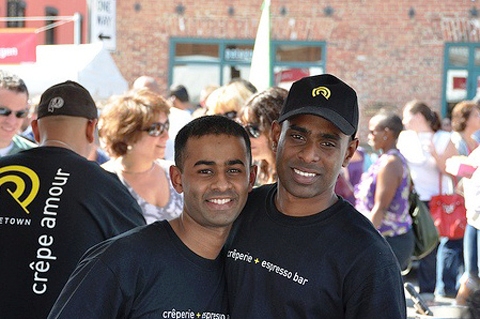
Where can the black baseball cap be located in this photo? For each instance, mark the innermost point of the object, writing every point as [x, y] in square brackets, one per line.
[67, 98]
[326, 96]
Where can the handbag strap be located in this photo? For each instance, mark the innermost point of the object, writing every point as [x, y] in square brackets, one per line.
[440, 183]
[454, 181]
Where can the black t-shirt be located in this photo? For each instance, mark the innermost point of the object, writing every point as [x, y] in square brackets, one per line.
[332, 264]
[146, 273]
[54, 205]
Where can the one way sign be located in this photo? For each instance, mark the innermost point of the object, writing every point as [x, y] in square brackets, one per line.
[103, 22]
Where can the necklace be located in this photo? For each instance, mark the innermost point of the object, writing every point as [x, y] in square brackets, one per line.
[139, 173]
[66, 145]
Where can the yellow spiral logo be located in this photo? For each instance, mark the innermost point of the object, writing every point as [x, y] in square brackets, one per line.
[321, 90]
[23, 184]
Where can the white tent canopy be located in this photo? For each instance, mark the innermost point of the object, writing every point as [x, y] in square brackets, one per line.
[91, 65]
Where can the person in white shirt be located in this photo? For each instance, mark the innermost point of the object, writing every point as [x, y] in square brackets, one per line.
[426, 148]
[180, 115]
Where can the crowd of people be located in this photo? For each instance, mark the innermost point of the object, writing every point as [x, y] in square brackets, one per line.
[226, 209]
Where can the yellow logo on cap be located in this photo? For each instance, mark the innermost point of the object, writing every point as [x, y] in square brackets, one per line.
[323, 91]
[18, 178]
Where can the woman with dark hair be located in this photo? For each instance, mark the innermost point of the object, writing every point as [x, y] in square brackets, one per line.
[465, 122]
[382, 193]
[426, 149]
[134, 129]
[257, 116]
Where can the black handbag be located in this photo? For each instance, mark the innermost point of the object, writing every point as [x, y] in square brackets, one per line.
[426, 233]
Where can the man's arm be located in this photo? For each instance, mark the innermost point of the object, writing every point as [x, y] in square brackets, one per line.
[92, 291]
[376, 287]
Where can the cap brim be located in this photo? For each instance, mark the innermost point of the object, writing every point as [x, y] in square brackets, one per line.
[326, 113]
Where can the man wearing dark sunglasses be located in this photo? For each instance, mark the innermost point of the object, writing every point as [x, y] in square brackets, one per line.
[13, 111]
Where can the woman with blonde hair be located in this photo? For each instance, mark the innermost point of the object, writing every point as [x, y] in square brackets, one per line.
[227, 100]
[134, 130]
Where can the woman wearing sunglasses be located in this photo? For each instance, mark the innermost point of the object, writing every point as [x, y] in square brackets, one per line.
[134, 129]
[257, 116]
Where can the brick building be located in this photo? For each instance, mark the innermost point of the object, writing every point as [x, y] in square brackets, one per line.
[390, 51]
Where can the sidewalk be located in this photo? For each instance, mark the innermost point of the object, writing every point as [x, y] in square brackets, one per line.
[430, 299]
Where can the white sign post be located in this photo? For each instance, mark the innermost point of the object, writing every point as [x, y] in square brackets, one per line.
[103, 15]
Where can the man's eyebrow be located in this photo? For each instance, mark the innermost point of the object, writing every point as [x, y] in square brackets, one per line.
[299, 128]
[211, 163]
[235, 162]
[204, 162]
[331, 136]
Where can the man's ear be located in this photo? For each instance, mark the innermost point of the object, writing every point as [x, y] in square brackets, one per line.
[352, 147]
[252, 177]
[176, 178]
[36, 134]
[90, 130]
[275, 132]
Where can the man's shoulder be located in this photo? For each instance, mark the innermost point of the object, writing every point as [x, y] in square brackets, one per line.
[259, 195]
[21, 140]
[357, 227]
[263, 189]
[141, 240]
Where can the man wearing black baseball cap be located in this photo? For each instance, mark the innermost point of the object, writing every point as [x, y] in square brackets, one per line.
[55, 204]
[298, 250]
[67, 117]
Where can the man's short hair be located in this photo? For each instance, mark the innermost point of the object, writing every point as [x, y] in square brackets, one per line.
[180, 92]
[12, 82]
[208, 125]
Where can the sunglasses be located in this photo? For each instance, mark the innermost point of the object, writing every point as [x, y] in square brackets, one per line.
[231, 115]
[253, 130]
[157, 129]
[4, 111]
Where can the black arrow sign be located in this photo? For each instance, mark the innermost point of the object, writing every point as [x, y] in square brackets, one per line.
[104, 37]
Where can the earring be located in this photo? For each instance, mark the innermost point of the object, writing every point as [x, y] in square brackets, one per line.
[129, 147]
[384, 138]
[274, 146]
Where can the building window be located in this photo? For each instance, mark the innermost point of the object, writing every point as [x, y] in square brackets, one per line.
[462, 74]
[50, 32]
[295, 60]
[16, 9]
[197, 63]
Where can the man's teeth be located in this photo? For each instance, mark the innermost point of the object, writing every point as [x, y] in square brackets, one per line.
[302, 173]
[220, 201]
